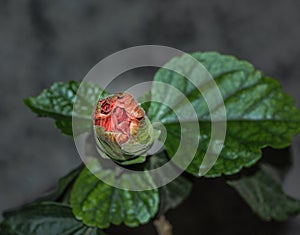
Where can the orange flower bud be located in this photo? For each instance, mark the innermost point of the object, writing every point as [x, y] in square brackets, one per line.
[122, 129]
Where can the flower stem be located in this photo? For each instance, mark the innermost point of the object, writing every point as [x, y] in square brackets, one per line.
[163, 226]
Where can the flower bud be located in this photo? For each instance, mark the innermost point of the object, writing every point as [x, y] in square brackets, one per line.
[122, 129]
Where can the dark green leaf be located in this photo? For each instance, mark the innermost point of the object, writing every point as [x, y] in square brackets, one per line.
[172, 194]
[64, 185]
[57, 103]
[46, 218]
[264, 195]
[258, 113]
[65, 126]
[98, 204]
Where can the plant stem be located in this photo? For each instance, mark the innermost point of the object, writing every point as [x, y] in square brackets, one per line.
[163, 226]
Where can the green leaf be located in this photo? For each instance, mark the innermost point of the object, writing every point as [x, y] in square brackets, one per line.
[172, 194]
[57, 103]
[65, 126]
[46, 218]
[264, 195]
[258, 113]
[99, 204]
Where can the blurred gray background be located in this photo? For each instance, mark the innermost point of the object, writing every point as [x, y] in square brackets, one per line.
[43, 41]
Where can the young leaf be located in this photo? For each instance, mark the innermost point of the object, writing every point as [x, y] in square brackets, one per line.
[46, 218]
[57, 103]
[99, 204]
[172, 194]
[258, 113]
[264, 195]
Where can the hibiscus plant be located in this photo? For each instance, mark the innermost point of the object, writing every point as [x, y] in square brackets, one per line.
[258, 113]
